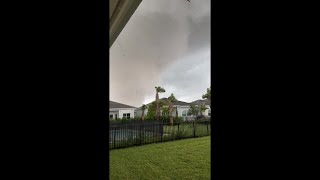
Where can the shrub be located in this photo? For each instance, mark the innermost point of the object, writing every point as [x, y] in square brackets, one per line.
[178, 119]
[164, 119]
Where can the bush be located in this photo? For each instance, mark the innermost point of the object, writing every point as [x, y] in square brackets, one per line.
[203, 119]
[149, 118]
[122, 120]
[178, 119]
[164, 119]
[136, 119]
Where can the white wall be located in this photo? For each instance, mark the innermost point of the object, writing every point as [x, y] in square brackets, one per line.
[114, 114]
[139, 112]
[120, 112]
[183, 108]
[131, 111]
[180, 109]
[206, 113]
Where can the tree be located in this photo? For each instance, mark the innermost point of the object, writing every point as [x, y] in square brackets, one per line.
[143, 108]
[158, 90]
[151, 111]
[171, 99]
[202, 108]
[194, 110]
[208, 96]
[165, 111]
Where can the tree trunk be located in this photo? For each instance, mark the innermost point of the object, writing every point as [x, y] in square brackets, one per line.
[171, 120]
[157, 107]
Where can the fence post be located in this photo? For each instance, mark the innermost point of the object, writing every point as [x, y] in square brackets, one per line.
[158, 132]
[172, 132]
[161, 131]
[114, 138]
[153, 132]
[178, 131]
[194, 130]
[140, 134]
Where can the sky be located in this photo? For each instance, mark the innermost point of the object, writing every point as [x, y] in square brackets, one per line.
[165, 43]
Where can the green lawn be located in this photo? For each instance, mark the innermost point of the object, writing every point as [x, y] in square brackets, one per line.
[181, 159]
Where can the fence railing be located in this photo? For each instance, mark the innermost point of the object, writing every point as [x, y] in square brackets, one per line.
[122, 135]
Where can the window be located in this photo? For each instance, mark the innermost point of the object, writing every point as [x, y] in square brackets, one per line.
[184, 113]
[116, 116]
[209, 113]
[126, 115]
[111, 116]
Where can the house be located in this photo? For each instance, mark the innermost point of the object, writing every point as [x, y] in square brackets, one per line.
[180, 108]
[200, 102]
[119, 110]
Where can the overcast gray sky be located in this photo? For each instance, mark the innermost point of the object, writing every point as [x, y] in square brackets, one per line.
[165, 43]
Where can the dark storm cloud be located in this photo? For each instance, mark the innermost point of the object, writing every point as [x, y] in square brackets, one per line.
[159, 34]
[188, 78]
[199, 36]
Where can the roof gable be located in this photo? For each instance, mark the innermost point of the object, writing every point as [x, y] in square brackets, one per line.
[113, 104]
[200, 102]
[175, 103]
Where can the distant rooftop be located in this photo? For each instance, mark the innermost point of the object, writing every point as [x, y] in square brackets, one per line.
[176, 103]
[113, 104]
[200, 102]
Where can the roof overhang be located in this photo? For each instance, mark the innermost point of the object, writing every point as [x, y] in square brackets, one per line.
[120, 11]
[117, 109]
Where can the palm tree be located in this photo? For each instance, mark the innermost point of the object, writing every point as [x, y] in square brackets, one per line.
[158, 90]
[171, 99]
[208, 96]
[143, 109]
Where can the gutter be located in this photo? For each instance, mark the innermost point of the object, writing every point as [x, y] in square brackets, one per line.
[121, 14]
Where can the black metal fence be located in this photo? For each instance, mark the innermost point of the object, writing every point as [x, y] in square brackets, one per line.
[122, 135]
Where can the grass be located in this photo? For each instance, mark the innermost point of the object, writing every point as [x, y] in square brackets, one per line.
[182, 159]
